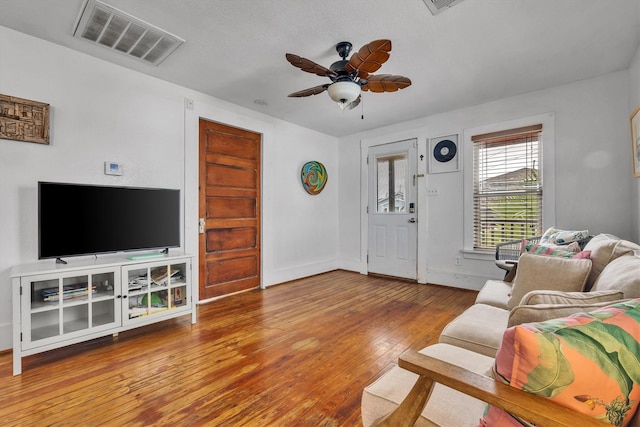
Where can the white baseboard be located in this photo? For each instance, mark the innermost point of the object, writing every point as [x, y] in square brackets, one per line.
[288, 274]
[349, 265]
[456, 280]
[6, 334]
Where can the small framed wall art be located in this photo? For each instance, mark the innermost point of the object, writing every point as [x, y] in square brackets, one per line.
[635, 141]
[314, 177]
[24, 120]
[444, 155]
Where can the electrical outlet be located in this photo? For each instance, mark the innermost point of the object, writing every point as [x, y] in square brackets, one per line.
[458, 260]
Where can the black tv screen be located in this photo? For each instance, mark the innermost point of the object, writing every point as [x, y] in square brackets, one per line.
[76, 219]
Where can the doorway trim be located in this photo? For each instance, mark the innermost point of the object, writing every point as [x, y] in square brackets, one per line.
[216, 111]
[420, 134]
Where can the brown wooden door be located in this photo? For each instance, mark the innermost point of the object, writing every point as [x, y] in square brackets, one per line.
[230, 207]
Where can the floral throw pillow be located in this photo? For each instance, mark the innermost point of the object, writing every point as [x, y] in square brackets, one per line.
[553, 250]
[526, 245]
[589, 362]
[562, 237]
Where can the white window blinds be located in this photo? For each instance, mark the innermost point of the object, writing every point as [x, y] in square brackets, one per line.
[507, 186]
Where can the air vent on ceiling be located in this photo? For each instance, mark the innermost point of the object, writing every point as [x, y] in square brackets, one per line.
[112, 28]
[437, 6]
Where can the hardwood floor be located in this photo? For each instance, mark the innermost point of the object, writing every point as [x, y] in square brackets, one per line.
[297, 354]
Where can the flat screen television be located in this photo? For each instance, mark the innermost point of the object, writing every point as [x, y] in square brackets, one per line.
[77, 219]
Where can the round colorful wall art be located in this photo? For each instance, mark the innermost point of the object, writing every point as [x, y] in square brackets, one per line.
[314, 177]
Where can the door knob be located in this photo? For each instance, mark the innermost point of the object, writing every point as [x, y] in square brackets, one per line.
[412, 220]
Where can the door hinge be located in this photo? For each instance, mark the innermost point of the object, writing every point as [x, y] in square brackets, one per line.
[20, 290]
[21, 336]
[367, 209]
[367, 159]
[367, 258]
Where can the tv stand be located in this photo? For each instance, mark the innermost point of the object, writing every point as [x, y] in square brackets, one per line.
[60, 261]
[55, 305]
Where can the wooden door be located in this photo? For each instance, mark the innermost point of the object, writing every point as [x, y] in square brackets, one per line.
[229, 210]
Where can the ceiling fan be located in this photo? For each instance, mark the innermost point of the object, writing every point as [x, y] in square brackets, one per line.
[349, 77]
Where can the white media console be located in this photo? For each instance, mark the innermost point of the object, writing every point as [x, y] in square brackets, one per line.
[55, 305]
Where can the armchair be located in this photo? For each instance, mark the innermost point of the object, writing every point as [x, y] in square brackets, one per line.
[536, 409]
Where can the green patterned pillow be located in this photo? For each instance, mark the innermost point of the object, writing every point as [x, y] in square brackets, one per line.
[553, 250]
[589, 362]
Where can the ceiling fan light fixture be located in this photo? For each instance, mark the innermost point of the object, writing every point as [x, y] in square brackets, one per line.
[344, 92]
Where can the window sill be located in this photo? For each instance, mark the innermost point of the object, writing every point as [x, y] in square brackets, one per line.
[479, 255]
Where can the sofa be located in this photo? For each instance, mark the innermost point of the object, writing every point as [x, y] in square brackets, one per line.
[549, 296]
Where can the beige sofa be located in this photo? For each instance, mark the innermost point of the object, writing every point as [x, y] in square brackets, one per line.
[546, 288]
[543, 288]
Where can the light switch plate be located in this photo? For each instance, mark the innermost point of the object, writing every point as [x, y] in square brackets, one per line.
[113, 168]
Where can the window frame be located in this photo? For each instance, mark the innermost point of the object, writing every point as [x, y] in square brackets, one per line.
[510, 146]
[547, 138]
[391, 179]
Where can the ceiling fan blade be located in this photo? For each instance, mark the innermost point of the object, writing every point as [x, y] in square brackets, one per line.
[370, 57]
[308, 65]
[386, 83]
[308, 92]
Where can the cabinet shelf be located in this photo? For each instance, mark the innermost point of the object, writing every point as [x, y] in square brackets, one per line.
[39, 307]
[74, 302]
[102, 297]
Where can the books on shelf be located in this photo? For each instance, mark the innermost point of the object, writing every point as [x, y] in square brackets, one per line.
[159, 277]
[137, 312]
[138, 283]
[68, 292]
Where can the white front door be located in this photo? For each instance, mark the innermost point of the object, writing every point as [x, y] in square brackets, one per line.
[392, 209]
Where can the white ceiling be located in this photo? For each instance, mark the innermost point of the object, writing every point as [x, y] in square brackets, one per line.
[474, 52]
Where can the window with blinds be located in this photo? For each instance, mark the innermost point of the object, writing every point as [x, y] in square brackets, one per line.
[507, 186]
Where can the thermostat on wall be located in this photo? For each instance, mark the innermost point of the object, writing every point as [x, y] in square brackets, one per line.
[112, 168]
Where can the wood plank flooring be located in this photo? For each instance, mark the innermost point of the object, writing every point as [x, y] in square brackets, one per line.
[296, 354]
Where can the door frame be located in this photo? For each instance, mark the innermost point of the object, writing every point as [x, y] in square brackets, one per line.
[390, 261]
[193, 111]
[420, 134]
[202, 205]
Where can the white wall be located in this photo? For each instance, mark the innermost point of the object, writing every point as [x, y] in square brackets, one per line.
[634, 101]
[102, 112]
[593, 189]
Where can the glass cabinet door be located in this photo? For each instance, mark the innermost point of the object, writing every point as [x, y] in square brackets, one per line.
[43, 309]
[68, 305]
[177, 282]
[74, 301]
[104, 310]
[137, 292]
[156, 288]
